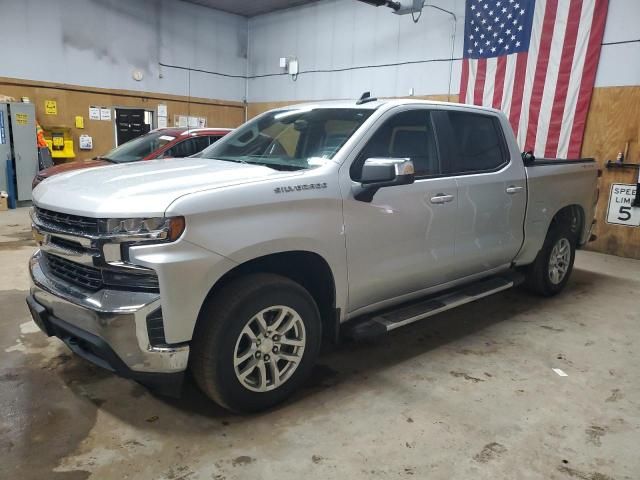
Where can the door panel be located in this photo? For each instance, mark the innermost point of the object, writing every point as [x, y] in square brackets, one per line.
[489, 227]
[130, 123]
[491, 190]
[399, 243]
[25, 151]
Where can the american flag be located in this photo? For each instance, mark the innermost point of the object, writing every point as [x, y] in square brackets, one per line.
[535, 60]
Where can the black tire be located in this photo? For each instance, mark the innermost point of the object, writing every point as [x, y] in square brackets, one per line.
[220, 325]
[538, 277]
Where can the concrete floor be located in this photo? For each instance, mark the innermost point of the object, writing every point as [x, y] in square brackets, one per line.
[468, 394]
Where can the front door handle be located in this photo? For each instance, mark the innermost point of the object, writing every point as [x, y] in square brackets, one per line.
[441, 198]
[511, 190]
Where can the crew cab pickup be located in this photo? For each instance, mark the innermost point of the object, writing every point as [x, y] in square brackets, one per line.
[305, 223]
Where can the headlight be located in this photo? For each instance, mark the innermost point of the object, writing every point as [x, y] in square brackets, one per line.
[159, 228]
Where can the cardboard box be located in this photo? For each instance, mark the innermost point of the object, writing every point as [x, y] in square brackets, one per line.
[4, 201]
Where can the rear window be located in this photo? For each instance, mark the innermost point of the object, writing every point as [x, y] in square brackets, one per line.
[477, 143]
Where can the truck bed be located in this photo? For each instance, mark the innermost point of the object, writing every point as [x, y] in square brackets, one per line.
[551, 185]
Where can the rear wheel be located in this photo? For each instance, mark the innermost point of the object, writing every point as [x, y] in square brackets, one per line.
[256, 342]
[552, 268]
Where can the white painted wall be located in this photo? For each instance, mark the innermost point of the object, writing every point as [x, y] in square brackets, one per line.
[335, 34]
[99, 43]
[620, 64]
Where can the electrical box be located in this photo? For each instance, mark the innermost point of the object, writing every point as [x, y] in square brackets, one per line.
[18, 144]
[293, 67]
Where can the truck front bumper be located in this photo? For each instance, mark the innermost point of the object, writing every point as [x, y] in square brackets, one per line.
[108, 328]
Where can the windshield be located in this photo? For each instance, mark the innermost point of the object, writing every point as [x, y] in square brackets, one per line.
[138, 148]
[293, 139]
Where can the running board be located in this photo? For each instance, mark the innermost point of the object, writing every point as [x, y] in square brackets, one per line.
[424, 308]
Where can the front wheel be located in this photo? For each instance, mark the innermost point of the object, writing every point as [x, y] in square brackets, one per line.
[256, 342]
[552, 268]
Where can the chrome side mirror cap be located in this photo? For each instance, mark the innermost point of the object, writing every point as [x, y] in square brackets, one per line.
[379, 173]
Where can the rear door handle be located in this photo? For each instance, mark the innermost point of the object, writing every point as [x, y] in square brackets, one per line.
[441, 198]
[511, 190]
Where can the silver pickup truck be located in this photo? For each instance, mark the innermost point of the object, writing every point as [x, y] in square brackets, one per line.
[305, 223]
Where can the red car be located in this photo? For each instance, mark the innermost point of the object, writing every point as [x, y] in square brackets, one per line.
[160, 143]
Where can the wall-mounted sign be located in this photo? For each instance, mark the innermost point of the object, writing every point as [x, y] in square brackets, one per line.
[180, 121]
[86, 142]
[184, 121]
[105, 114]
[22, 118]
[620, 211]
[50, 107]
[94, 113]
[162, 110]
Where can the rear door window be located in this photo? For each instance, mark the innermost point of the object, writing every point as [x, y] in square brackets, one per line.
[474, 144]
[188, 147]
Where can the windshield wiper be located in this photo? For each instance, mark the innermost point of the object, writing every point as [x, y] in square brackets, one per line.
[107, 159]
[222, 159]
[279, 166]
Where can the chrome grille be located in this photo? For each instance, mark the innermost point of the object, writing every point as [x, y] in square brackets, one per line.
[74, 273]
[94, 279]
[64, 221]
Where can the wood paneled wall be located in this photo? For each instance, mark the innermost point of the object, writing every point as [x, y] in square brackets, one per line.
[612, 121]
[75, 100]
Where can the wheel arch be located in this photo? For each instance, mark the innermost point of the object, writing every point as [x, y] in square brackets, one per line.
[539, 222]
[573, 216]
[306, 268]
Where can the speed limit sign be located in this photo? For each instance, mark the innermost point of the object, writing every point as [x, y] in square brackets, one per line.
[621, 211]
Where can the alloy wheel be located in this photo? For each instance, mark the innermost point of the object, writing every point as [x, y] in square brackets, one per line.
[269, 348]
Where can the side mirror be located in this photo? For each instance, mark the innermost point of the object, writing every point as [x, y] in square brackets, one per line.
[378, 173]
[528, 158]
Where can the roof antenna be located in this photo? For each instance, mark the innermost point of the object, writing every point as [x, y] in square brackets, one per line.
[365, 98]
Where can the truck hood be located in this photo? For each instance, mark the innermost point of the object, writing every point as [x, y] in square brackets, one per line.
[141, 188]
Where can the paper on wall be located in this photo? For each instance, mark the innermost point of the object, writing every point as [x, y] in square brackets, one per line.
[86, 142]
[162, 110]
[105, 114]
[94, 113]
[162, 122]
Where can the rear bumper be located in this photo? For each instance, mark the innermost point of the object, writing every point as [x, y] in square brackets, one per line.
[107, 328]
